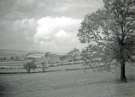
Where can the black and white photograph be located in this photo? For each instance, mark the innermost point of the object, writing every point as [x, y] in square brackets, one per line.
[67, 48]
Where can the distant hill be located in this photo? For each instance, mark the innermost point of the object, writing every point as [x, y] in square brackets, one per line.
[8, 53]
[40, 56]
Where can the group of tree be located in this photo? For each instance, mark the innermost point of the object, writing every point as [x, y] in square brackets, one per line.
[110, 35]
[71, 56]
[3, 58]
[9, 58]
[15, 58]
[31, 63]
[74, 54]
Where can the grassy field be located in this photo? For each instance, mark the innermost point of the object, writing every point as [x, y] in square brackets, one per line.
[78, 83]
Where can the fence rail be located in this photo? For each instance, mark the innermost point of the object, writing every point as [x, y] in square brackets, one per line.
[18, 67]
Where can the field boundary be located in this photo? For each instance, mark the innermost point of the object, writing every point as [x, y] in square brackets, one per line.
[19, 69]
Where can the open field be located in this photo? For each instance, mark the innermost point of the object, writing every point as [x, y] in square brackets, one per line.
[78, 83]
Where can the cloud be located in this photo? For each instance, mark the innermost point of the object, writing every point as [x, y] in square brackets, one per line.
[17, 34]
[19, 9]
[57, 33]
[55, 27]
[62, 34]
[43, 24]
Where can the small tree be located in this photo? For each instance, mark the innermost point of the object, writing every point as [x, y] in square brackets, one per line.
[4, 58]
[11, 58]
[30, 65]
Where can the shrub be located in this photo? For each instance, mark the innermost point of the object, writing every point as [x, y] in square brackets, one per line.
[29, 66]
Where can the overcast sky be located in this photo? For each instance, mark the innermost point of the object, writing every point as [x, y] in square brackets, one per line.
[48, 25]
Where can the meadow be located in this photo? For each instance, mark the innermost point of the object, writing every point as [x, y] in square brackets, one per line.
[76, 83]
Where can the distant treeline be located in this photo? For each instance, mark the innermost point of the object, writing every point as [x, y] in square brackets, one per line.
[11, 58]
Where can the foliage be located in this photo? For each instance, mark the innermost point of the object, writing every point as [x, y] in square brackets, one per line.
[109, 33]
[3, 58]
[74, 54]
[30, 65]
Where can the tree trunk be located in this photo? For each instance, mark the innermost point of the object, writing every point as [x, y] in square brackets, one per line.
[28, 69]
[123, 75]
[43, 67]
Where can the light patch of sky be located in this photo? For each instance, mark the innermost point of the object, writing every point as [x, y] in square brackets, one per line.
[56, 33]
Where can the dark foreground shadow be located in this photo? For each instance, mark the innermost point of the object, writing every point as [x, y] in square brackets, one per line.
[4, 89]
[125, 89]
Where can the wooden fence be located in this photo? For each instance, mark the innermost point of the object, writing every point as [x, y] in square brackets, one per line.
[18, 67]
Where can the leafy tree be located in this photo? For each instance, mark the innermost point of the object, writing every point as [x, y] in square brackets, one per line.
[11, 58]
[47, 54]
[62, 58]
[75, 53]
[109, 33]
[30, 65]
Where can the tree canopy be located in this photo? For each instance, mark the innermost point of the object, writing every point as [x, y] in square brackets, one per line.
[109, 33]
